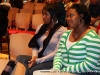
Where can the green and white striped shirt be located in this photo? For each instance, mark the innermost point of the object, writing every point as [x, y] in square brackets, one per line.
[82, 56]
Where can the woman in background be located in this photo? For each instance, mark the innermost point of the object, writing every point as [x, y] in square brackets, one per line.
[45, 40]
[94, 9]
[84, 2]
[68, 3]
[79, 49]
[16, 3]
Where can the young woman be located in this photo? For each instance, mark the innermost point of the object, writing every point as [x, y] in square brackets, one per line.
[94, 9]
[79, 49]
[45, 40]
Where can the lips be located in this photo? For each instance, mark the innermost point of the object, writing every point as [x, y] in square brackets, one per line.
[69, 22]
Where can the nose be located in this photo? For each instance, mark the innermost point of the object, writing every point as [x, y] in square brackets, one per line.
[43, 16]
[67, 18]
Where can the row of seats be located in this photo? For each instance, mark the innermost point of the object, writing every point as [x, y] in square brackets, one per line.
[22, 19]
[14, 12]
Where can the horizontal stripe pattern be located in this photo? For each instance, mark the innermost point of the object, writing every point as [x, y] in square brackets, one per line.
[83, 56]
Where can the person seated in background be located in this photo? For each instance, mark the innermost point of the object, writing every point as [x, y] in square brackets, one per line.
[62, 16]
[68, 3]
[16, 3]
[0, 1]
[79, 49]
[45, 40]
[3, 18]
[84, 2]
[94, 9]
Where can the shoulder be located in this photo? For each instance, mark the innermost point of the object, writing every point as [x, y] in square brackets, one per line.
[38, 28]
[66, 33]
[93, 36]
[63, 29]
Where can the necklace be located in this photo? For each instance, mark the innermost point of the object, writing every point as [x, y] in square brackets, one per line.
[76, 36]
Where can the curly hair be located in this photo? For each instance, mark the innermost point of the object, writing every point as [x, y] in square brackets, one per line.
[82, 10]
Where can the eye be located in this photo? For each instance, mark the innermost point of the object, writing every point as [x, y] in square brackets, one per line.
[71, 15]
[46, 14]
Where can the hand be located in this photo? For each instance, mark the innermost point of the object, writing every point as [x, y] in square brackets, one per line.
[32, 62]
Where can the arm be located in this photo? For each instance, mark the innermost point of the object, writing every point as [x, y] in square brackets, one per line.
[35, 50]
[57, 65]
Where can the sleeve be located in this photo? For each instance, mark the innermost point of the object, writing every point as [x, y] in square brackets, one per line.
[57, 64]
[34, 50]
[51, 55]
[92, 58]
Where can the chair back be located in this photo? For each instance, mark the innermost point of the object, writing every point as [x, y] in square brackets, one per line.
[11, 15]
[27, 10]
[36, 20]
[38, 8]
[23, 20]
[19, 44]
[28, 5]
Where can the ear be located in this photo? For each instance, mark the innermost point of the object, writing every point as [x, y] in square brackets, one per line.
[54, 19]
[81, 15]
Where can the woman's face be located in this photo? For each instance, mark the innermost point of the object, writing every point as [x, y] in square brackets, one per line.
[46, 16]
[73, 18]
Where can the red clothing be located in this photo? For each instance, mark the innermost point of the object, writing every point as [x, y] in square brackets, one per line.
[75, 0]
[98, 27]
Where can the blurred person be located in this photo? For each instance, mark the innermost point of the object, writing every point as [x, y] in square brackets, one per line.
[68, 3]
[16, 3]
[3, 18]
[84, 2]
[79, 48]
[94, 9]
[45, 41]
[62, 10]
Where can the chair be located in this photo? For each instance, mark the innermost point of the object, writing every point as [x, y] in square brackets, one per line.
[38, 8]
[19, 44]
[28, 5]
[5, 39]
[23, 20]
[11, 16]
[36, 20]
[27, 10]
[18, 70]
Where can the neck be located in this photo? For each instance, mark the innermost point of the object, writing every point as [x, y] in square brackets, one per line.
[78, 32]
[51, 25]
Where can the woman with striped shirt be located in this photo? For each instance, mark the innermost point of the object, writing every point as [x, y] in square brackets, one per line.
[79, 49]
